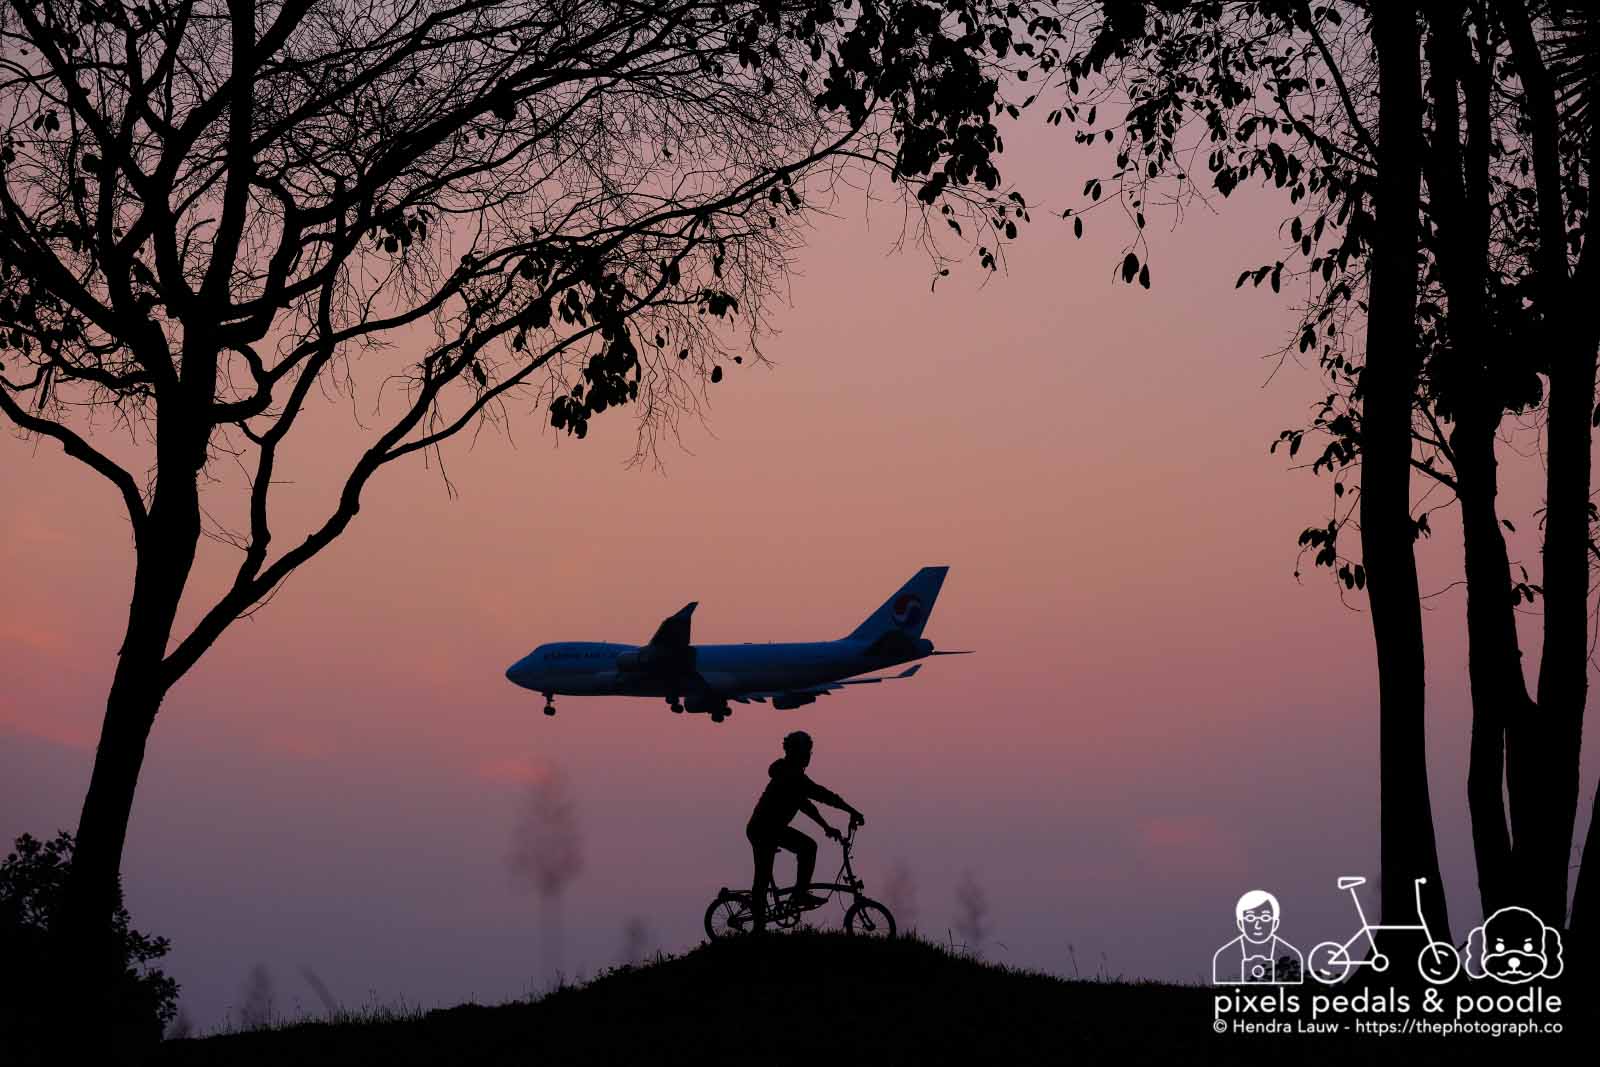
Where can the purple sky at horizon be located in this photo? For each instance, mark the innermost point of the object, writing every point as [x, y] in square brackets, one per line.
[1158, 718]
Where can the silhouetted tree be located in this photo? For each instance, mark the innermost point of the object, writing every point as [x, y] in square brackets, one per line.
[181, 1027]
[1496, 323]
[1264, 91]
[547, 854]
[1543, 767]
[1575, 71]
[1388, 533]
[212, 210]
[35, 1017]
[1503, 326]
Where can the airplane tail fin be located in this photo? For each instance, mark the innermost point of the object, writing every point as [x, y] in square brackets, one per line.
[674, 629]
[908, 610]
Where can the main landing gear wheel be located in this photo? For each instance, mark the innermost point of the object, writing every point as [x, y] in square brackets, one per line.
[676, 705]
[718, 716]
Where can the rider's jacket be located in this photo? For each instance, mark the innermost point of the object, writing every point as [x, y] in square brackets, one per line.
[787, 790]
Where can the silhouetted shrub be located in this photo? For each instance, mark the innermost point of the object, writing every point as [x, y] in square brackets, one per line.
[38, 987]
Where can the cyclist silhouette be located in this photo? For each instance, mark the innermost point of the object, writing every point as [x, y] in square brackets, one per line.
[788, 793]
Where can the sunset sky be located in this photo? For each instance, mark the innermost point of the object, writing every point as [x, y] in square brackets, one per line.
[1159, 716]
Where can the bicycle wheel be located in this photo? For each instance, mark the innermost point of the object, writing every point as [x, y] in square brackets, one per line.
[729, 916]
[1329, 962]
[1439, 962]
[868, 918]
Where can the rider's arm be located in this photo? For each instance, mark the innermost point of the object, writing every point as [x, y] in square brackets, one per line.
[832, 799]
[811, 810]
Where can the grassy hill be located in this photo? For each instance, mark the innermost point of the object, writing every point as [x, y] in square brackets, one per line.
[815, 998]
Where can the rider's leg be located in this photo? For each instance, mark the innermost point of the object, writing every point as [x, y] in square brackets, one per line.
[764, 853]
[805, 858]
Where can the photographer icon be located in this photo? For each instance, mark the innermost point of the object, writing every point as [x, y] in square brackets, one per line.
[1258, 956]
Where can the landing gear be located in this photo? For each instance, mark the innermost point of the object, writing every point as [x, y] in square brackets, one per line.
[549, 704]
[702, 705]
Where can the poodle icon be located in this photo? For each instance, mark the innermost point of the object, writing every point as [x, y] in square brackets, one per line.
[1258, 956]
[1514, 946]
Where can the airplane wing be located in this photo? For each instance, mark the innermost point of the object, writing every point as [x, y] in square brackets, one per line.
[806, 694]
[674, 630]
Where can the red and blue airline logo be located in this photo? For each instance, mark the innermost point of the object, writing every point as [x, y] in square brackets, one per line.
[906, 609]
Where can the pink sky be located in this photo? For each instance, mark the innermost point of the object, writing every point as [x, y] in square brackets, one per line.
[1159, 716]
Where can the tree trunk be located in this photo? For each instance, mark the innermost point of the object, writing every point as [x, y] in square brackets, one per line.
[135, 697]
[1564, 664]
[89, 961]
[1388, 383]
[1458, 182]
[164, 553]
[1568, 337]
[1494, 659]
[1586, 898]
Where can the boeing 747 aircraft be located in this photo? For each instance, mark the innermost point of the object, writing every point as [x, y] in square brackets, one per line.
[704, 678]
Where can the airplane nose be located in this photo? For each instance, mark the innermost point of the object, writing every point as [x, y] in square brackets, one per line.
[518, 673]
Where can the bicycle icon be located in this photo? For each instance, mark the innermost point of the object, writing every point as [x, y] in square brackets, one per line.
[1332, 961]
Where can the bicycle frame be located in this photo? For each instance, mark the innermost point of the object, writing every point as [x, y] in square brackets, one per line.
[1368, 930]
[845, 881]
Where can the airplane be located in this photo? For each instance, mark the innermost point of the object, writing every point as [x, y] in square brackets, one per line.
[702, 679]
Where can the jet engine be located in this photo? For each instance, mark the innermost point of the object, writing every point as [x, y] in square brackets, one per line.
[790, 701]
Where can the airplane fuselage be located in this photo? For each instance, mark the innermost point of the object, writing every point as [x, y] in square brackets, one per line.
[704, 678]
[592, 668]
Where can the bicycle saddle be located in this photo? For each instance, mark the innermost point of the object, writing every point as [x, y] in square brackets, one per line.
[1350, 881]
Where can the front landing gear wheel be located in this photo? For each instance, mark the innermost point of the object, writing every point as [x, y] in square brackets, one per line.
[676, 706]
[868, 918]
[549, 709]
